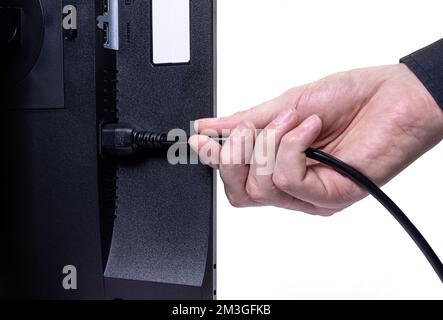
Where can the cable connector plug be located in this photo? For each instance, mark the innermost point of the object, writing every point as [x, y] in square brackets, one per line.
[122, 139]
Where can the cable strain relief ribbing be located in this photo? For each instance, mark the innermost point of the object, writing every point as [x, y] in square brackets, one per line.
[146, 140]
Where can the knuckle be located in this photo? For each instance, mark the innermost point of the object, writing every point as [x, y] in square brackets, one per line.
[236, 203]
[281, 181]
[292, 96]
[241, 115]
[235, 200]
[250, 125]
[289, 140]
[255, 193]
[326, 213]
[238, 114]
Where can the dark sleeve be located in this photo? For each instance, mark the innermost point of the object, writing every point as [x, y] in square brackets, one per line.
[427, 64]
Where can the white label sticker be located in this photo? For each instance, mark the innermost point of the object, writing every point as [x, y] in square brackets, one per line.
[171, 31]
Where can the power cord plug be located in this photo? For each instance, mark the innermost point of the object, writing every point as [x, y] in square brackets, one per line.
[122, 139]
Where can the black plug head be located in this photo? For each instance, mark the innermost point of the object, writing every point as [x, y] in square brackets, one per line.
[117, 140]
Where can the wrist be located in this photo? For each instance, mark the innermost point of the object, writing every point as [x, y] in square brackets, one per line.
[425, 108]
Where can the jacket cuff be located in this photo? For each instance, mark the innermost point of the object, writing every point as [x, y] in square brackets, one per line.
[427, 64]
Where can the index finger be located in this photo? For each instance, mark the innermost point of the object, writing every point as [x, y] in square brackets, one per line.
[260, 116]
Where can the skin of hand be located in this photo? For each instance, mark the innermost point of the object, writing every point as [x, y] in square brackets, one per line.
[378, 120]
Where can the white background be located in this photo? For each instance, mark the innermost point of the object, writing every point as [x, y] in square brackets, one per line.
[268, 46]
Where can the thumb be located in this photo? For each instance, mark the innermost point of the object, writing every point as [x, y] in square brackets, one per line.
[291, 159]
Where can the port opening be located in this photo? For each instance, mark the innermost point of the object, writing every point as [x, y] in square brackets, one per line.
[108, 23]
[106, 6]
[106, 33]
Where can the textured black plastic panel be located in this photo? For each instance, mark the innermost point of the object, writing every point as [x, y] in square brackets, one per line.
[163, 232]
[33, 79]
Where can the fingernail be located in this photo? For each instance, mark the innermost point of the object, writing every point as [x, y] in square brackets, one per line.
[284, 117]
[193, 143]
[311, 121]
[197, 123]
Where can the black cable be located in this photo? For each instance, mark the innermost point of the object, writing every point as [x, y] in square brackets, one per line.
[124, 140]
[365, 183]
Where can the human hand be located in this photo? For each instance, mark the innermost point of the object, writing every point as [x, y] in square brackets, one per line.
[378, 120]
